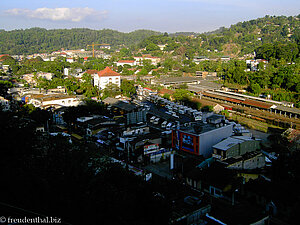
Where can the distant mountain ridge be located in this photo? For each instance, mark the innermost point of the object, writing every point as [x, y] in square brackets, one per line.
[239, 39]
[35, 40]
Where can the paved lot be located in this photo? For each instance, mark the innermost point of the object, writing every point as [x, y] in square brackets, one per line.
[162, 169]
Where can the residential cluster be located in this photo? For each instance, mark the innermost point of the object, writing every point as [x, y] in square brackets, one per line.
[222, 165]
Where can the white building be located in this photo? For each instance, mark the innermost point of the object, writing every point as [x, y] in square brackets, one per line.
[105, 77]
[126, 62]
[70, 60]
[139, 59]
[56, 101]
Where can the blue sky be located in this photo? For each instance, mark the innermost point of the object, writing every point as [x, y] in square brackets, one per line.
[130, 15]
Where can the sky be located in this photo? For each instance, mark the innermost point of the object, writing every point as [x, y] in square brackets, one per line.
[129, 15]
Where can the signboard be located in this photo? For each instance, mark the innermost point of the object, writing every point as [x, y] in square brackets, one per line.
[150, 148]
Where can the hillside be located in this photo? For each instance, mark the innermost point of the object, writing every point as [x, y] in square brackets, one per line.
[237, 40]
[41, 40]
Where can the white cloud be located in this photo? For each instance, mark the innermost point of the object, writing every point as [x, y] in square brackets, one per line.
[56, 14]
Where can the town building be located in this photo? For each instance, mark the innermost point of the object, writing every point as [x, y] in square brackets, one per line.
[139, 59]
[199, 138]
[53, 100]
[105, 77]
[235, 146]
[247, 161]
[126, 62]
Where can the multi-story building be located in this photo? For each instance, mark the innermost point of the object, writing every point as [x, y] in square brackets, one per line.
[199, 138]
[105, 77]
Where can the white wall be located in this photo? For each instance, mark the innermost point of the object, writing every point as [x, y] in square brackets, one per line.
[101, 82]
[209, 139]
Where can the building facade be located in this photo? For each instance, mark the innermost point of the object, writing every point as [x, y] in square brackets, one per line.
[105, 77]
[200, 142]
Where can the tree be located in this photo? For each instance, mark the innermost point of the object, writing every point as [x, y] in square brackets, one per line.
[143, 72]
[111, 90]
[152, 47]
[167, 96]
[4, 85]
[182, 95]
[207, 108]
[255, 88]
[128, 88]
[87, 86]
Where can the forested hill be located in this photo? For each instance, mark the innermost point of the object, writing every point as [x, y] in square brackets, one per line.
[237, 40]
[36, 40]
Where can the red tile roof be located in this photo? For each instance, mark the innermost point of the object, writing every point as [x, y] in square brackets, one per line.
[257, 104]
[166, 91]
[107, 72]
[126, 61]
[91, 71]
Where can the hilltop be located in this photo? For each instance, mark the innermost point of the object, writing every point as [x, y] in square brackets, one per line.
[237, 40]
[35, 40]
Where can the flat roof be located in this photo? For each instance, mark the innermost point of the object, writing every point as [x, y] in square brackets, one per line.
[203, 86]
[51, 97]
[227, 143]
[119, 104]
[288, 109]
[199, 128]
[179, 79]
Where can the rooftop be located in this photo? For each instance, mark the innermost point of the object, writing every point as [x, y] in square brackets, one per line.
[198, 128]
[231, 141]
[91, 71]
[179, 80]
[126, 61]
[119, 104]
[107, 72]
[227, 143]
[42, 97]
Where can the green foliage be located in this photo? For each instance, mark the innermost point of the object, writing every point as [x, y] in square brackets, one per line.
[4, 85]
[87, 86]
[41, 40]
[287, 52]
[182, 95]
[143, 72]
[255, 88]
[167, 96]
[125, 52]
[234, 72]
[152, 47]
[207, 108]
[111, 90]
[183, 86]
[128, 88]
[225, 112]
